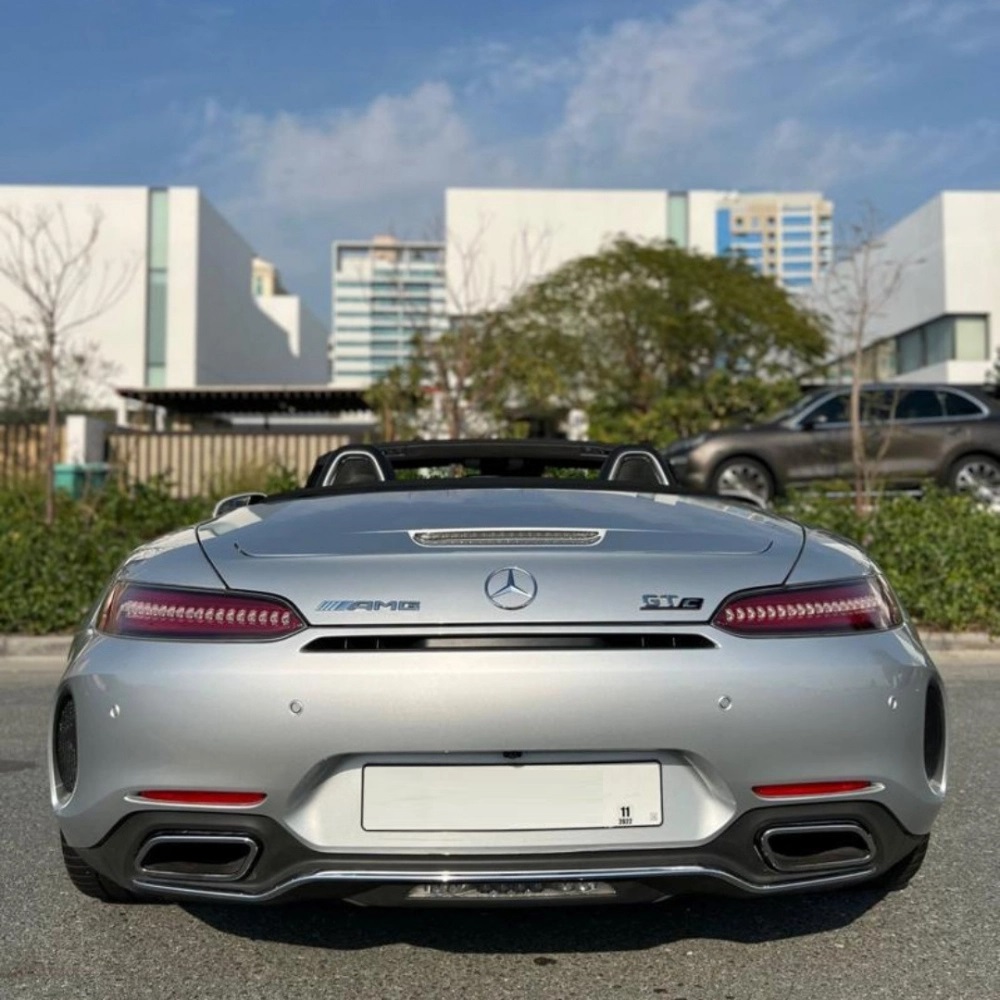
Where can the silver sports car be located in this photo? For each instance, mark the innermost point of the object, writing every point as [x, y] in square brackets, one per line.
[543, 674]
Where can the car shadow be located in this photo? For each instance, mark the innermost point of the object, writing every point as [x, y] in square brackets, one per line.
[548, 930]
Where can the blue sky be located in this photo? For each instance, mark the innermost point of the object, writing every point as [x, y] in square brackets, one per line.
[310, 120]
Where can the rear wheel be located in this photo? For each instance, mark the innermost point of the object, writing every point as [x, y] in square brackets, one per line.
[975, 474]
[90, 882]
[901, 873]
[744, 475]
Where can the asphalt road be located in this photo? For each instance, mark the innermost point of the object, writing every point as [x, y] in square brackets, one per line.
[940, 938]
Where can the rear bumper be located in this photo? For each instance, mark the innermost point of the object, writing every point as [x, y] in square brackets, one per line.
[283, 869]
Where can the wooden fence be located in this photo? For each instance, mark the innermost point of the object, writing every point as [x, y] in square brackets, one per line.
[22, 450]
[199, 463]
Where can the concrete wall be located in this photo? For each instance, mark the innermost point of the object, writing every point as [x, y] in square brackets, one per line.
[972, 256]
[216, 333]
[948, 252]
[701, 221]
[237, 342]
[308, 338]
[916, 246]
[119, 332]
[499, 240]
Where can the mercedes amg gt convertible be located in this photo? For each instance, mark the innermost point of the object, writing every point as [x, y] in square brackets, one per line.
[494, 673]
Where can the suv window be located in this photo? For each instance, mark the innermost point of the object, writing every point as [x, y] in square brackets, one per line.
[956, 405]
[919, 404]
[833, 411]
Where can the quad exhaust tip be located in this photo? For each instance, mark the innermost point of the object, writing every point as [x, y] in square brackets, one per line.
[816, 847]
[201, 857]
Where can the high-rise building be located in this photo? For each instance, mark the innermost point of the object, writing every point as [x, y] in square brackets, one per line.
[787, 236]
[385, 292]
[499, 240]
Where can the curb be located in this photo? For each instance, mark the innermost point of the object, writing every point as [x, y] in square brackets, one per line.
[954, 642]
[35, 645]
[58, 645]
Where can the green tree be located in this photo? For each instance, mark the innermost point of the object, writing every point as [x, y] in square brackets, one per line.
[656, 342]
[652, 341]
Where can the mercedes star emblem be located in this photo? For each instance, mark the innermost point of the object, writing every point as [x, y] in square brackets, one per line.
[511, 588]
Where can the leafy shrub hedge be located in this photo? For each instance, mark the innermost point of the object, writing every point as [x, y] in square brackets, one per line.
[941, 552]
[50, 576]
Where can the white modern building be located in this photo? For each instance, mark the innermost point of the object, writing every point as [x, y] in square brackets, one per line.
[499, 240]
[385, 292]
[185, 313]
[941, 268]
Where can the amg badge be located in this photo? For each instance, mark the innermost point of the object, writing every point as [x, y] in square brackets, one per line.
[349, 605]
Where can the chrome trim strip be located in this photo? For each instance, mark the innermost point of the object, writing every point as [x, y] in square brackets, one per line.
[780, 865]
[199, 838]
[379, 877]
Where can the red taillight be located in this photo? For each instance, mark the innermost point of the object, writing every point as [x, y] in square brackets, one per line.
[163, 612]
[199, 798]
[803, 788]
[856, 606]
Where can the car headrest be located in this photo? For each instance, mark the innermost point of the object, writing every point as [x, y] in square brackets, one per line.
[358, 466]
[636, 466]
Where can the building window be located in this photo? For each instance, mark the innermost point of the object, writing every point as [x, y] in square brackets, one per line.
[947, 338]
[971, 338]
[156, 287]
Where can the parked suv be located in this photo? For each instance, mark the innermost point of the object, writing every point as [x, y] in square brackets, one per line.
[913, 432]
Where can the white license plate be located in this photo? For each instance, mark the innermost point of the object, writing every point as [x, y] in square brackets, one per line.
[511, 797]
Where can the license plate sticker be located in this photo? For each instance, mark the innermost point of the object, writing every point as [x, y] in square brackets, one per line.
[498, 797]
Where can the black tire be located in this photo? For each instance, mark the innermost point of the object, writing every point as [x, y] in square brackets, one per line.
[973, 473]
[90, 882]
[746, 475]
[901, 874]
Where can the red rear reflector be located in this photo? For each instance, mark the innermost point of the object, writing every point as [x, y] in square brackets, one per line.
[856, 606]
[166, 613]
[196, 798]
[803, 788]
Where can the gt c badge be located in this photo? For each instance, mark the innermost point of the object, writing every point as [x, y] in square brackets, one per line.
[670, 602]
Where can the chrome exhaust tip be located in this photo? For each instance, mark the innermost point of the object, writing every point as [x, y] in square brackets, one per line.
[201, 857]
[816, 847]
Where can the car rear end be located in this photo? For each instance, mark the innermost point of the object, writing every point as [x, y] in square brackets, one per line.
[417, 732]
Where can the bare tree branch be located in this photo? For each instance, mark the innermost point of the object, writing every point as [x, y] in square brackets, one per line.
[54, 269]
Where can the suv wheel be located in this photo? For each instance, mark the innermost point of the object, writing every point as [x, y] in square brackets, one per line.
[975, 474]
[744, 476]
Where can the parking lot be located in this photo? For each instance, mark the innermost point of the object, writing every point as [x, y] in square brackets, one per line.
[940, 938]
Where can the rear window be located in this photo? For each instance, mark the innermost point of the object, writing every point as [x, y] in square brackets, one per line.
[958, 405]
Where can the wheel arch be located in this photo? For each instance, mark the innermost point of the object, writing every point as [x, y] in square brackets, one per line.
[963, 453]
[736, 454]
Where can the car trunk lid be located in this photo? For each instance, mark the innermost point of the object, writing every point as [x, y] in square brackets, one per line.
[511, 556]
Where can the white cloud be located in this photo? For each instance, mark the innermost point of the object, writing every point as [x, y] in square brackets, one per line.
[726, 93]
[831, 158]
[397, 145]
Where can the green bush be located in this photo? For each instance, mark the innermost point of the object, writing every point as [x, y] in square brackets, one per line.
[940, 552]
[51, 575]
